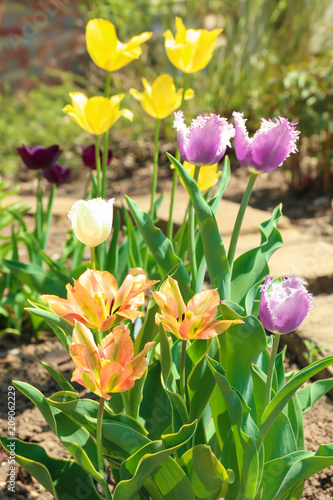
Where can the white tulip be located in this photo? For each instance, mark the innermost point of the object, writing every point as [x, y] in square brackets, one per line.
[92, 220]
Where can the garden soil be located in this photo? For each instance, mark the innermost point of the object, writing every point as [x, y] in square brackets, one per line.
[18, 356]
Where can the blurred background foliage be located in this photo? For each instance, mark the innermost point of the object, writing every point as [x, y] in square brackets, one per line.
[274, 58]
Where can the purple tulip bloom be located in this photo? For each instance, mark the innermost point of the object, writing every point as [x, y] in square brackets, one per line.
[206, 141]
[39, 157]
[89, 157]
[270, 145]
[284, 305]
[57, 174]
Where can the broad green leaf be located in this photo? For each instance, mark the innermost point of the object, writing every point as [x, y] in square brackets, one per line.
[241, 346]
[112, 257]
[160, 247]
[249, 460]
[149, 329]
[155, 408]
[73, 436]
[201, 383]
[57, 376]
[217, 262]
[208, 477]
[137, 468]
[277, 404]
[64, 479]
[310, 394]
[283, 475]
[36, 278]
[223, 183]
[251, 267]
[38, 400]
[60, 327]
[133, 249]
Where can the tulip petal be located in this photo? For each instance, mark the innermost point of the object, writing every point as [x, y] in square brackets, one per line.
[204, 302]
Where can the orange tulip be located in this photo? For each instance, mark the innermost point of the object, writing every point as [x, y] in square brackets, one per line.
[96, 301]
[109, 367]
[194, 321]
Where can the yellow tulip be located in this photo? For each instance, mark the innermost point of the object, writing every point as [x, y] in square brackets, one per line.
[208, 175]
[97, 114]
[190, 50]
[106, 50]
[161, 99]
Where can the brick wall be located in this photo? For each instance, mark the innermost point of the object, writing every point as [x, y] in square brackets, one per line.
[39, 34]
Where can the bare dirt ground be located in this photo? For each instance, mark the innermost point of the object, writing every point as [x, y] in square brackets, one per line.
[132, 175]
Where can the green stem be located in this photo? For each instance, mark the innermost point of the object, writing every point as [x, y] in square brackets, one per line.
[98, 166]
[100, 459]
[175, 175]
[155, 171]
[127, 403]
[105, 138]
[271, 370]
[49, 214]
[182, 371]
[93, 258]
[39, 210]
[239, 220]
[191, 236]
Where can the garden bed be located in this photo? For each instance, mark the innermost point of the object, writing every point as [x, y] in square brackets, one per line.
[18, 357]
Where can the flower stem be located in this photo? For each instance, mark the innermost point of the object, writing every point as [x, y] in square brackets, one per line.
[182, 371]
[105, 138]
[49, 215]
[92, 258]
[98, 166]
[39, 210]
[155, 172]
[100, 459]
[175, 175]
[191, 236]
[271, 369]
[239, 220]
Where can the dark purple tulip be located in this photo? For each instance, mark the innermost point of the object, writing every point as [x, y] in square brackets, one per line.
[270, 145]
[57, 174]
[89, 158]
[284, 305]
[205, 141]
[39, 157]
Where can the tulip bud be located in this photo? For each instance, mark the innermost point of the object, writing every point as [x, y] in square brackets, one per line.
[92, 220]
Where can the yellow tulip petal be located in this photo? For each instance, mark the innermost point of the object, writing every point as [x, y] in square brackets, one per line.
[101, 41]
[126, 113]
[208, 175]
[106, 50]
[146, 86]
[189, 94]
[139, 96]
[190, 50]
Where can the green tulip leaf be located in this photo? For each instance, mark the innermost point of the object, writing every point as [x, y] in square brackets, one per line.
[160, 247]
[57, 376]
[36, 278]
[145, 462]
[208, 477]
[251, 268]
[282, 398]
[217, 261]
[283, 475]
[64, 479]
[310, 394]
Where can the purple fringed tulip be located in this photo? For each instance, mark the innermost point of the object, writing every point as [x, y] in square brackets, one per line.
[284, 305]
[270, 145]
[206, 141]
[57, 174]
[89, 157]
[39, 157]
